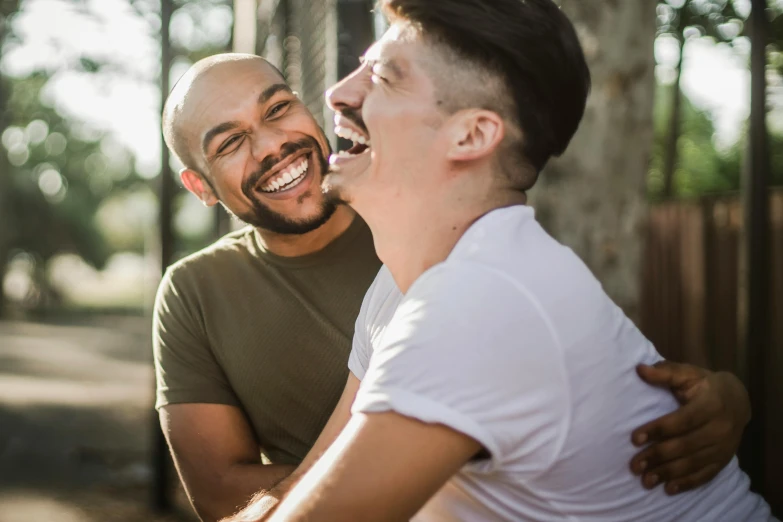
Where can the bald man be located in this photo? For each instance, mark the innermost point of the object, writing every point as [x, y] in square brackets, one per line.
[252, 334]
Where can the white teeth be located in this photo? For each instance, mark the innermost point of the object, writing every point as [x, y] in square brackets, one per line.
[290, 178]
[343, 132]
[348, 134]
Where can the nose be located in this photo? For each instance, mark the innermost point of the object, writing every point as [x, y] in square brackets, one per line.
[268, 142]
[347, 94]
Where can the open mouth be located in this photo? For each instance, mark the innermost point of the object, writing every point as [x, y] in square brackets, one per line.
[361, 144]
[288, 177]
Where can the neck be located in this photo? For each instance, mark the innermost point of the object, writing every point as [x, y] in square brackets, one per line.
[410, 246]
[296, 245]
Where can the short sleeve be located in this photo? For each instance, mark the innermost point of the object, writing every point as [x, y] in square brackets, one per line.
[471, 349]
[186, 370]
[359, 359]
[361, 347]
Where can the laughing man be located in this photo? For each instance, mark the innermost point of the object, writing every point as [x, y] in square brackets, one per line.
[496, 375]
[252, 334]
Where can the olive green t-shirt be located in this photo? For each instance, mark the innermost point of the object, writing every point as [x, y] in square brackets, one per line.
[235, 324]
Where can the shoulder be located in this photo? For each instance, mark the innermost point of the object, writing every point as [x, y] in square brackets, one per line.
[513, 245]
[462, 281]
[470, 347]
[382, 287]
[461, 305]
[183, 278]
[378, 305]
[227, 250]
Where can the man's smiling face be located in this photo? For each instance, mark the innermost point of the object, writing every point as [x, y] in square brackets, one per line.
[256, 146]
[389, 108]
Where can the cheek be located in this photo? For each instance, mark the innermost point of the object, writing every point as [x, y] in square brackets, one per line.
[302, 123]
[401, 120]
[403, 140]
[228, 177]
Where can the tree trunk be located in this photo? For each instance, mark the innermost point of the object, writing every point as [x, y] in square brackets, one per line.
[593, 198]
[6, 218]
[160, 496]
[760, 358]
[7, 228]
[673, 136]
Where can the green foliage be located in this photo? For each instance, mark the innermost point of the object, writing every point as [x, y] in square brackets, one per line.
[685, 19]
[58, 178]
[65, 187]
[700, 167]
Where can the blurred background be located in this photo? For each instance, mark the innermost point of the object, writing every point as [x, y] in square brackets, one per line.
[672, 191]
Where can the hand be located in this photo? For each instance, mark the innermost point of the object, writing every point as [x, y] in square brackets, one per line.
[690, 446]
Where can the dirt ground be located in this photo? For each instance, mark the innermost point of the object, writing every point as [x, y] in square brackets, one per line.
[76, 420]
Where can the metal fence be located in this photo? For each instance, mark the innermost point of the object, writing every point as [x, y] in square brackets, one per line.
[301, 38]
[314, 43]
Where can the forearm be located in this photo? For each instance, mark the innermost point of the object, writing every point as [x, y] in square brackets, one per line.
[229, 491]
[264, 503]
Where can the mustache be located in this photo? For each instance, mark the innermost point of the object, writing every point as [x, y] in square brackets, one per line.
[354, 117]
[269, 162]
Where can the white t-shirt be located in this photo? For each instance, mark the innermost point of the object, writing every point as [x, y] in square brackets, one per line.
[513, 342]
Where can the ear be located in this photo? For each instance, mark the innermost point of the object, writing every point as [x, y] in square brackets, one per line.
[195, 184]
[475, 134]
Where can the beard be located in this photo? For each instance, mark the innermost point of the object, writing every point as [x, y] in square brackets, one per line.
[261, 216]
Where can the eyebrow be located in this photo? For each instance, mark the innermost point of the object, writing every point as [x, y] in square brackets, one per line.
[264, 97]
[271, 91]
[217, 130]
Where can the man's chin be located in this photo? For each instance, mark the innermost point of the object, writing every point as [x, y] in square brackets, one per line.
[266, 219]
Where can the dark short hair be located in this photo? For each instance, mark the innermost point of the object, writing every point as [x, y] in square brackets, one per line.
[530, 44]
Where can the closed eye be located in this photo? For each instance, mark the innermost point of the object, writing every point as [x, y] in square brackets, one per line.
[277, 109]
[229, 142]
[378, 78]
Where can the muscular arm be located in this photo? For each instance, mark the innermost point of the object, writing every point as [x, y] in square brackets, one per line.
[264, 503]
[217, 457]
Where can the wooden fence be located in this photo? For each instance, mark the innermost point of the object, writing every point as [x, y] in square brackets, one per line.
[692, 298]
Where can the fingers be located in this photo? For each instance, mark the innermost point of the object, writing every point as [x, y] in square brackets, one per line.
[687, 463]
[693, 481]
[690, 446]
[670, 374]
[681, 421]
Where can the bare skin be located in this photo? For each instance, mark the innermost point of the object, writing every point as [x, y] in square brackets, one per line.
[214, 446]
[227, 95]
[256, 116]
[265, 502]
[416, 219]
[217, 457]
